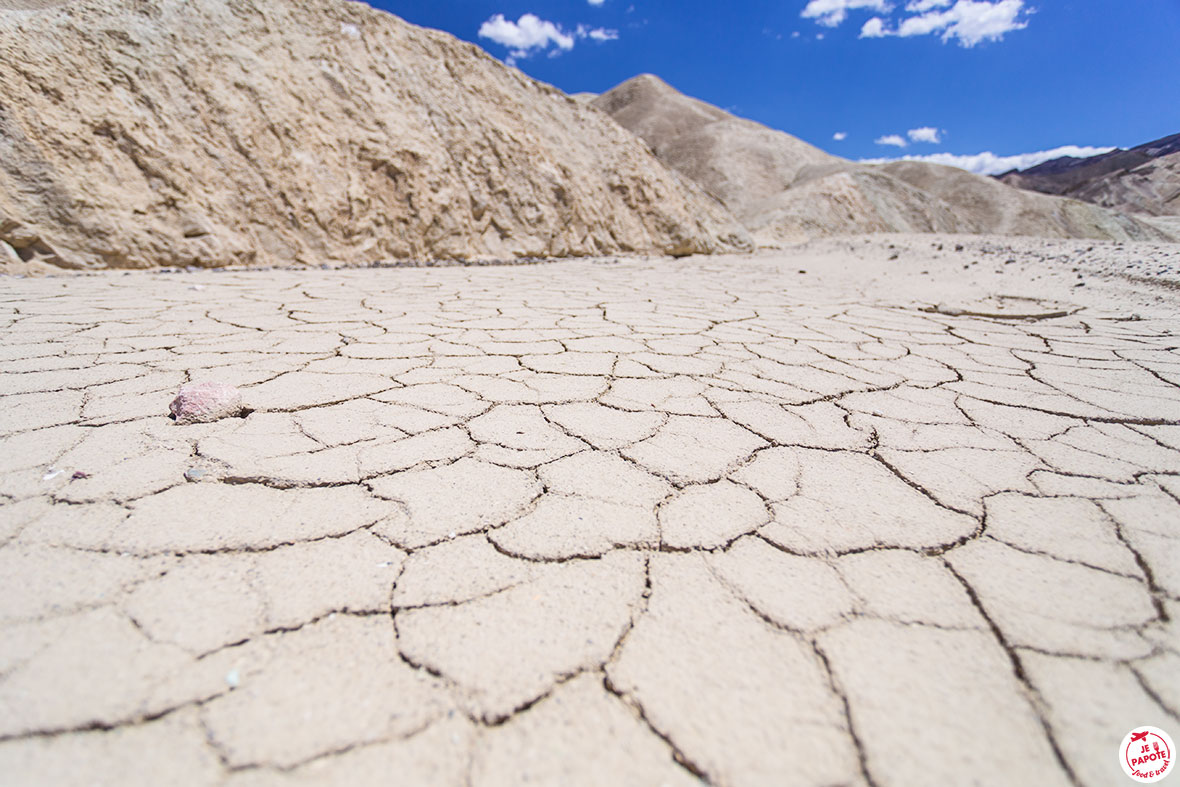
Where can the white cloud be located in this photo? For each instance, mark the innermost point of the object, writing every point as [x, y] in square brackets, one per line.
[988, 163]
[840, 136]
[531, 34]
[831, 13]
[925, 134]
[874, 28]
[599, 34]
[596, 2]
[922, 6]
[892, 139]
[969, 21]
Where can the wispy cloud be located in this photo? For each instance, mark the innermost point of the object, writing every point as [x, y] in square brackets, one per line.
[988, 163]
[896, 140]
[597, 33]
[831, 13]
[840, 136]
[922, 6]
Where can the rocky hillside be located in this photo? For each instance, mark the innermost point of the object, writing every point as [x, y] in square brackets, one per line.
[136, 133]
[784, 190]
[1143, 179]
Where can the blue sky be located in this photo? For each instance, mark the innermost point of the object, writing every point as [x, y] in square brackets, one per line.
[948, 77]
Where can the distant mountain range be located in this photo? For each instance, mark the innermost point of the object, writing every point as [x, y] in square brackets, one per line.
[784, 190]
[1144, 179]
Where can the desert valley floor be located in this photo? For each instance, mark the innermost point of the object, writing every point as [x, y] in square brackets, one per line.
[873, 511]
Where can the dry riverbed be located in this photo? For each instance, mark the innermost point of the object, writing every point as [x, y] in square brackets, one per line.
[900, 510]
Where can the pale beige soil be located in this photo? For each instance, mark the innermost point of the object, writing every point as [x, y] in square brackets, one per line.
[868, 511]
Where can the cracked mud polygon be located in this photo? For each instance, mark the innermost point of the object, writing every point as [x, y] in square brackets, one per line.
[817, 517]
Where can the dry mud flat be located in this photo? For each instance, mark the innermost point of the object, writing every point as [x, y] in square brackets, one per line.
[646, 522]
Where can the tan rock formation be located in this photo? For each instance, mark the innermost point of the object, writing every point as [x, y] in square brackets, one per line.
[136, 133]
[784, 190]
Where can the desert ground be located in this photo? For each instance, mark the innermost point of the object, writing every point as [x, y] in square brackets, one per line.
[891, 510]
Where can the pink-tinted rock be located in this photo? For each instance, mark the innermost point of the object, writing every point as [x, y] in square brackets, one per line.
[199, 403]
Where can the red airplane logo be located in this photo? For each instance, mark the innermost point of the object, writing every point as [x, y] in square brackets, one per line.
[1138, 736]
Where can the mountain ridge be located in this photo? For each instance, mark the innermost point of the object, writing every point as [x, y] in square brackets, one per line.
[1142, 179]
[784, 190]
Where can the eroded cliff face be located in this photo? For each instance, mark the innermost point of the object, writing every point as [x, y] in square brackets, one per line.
[137, 133]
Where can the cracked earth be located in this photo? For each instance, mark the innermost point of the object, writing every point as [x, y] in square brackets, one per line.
[826, 517]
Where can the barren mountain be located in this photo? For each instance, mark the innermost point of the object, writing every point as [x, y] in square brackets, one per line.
[136, 133]
[738, 161]
[1144, 179]
[785, 190]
